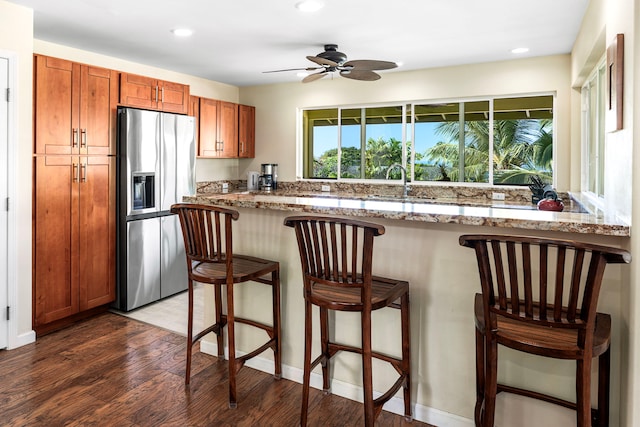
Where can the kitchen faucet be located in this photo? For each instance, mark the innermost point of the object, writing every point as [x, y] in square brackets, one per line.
[404, 176]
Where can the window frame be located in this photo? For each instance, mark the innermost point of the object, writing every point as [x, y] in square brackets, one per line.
[587, 132]
[410, 105]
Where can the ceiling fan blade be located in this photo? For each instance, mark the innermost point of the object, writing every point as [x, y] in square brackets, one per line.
[294, 69]
[370, 64]
[365, 75]
[313, 77]
[322, 61]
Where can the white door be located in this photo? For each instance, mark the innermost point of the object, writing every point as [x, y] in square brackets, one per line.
[4, 195]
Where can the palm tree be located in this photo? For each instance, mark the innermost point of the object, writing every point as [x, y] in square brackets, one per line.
[521, 148]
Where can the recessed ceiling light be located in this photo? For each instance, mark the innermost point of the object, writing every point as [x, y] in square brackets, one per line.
[520, 50]
[182, 32]
[310, 5]
[302, 74]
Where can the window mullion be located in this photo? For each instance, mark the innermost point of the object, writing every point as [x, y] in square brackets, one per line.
[461, 135]
[363, 142]
[339, 166]
[491, 131]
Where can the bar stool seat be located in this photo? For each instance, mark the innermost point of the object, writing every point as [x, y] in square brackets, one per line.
[336, 258]
[208, 241]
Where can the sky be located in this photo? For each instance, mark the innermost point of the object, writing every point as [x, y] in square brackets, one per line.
[326, 137]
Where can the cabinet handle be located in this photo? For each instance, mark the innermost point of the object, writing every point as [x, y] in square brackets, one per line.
[83, 172]
[221, 146]
[75, 173]
[74, 137]
[83, 138]
[241, 144]
[162, 94]
[156, 93]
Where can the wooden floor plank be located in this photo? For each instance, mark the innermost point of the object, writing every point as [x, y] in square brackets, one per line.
[111, 370]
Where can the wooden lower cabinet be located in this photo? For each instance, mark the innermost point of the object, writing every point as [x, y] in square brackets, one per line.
[74, 236]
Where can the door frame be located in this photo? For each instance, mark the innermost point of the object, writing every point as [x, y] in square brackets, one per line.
[12, 159]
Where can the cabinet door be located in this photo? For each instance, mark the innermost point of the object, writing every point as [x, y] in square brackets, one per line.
[173, 97]
[138, 91]
[246, 131]
[208, 128]
[97, 231]
[55, 239]
[228, 130]
[55, 109]
[98, 101]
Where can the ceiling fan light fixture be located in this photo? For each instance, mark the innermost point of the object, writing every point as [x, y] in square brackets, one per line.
[309, 5]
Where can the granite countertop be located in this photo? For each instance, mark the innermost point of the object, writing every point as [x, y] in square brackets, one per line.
[513, 213]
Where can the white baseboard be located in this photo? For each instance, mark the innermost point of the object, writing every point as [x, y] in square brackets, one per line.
[350, 391]
[22, 339]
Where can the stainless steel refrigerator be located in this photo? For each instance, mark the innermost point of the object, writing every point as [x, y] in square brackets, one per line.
[156, 168]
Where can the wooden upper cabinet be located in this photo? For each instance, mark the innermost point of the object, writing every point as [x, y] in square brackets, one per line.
[246, 131]
[218, 129]
[208, 124]
[228, 130]
[147, 92]
[74, 108]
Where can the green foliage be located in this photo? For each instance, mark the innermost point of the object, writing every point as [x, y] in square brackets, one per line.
[521, 148]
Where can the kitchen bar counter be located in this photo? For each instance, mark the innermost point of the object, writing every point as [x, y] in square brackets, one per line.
[575, 219]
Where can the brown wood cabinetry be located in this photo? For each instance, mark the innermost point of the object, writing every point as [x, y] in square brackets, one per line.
[74, 235]
[147, 92]
[246, 131]
[74, 108]
[74, 191]
[218, 129]
[225, 130]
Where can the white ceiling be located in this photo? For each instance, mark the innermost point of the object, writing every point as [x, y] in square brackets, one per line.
[234, 41]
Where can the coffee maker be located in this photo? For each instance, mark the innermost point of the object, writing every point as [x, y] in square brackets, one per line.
[269, 177]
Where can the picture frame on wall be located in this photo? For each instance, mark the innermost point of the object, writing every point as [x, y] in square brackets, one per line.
[615, 69]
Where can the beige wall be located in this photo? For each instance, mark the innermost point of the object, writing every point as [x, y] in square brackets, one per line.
[276, 104]
[605, 19]
[16, 36]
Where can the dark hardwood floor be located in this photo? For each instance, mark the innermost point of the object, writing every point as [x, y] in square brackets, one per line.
[115, 371]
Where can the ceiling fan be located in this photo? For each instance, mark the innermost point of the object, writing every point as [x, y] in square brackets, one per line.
[331, 60]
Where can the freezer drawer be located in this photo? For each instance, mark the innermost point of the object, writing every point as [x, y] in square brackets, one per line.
[143, 259]
[174, 265]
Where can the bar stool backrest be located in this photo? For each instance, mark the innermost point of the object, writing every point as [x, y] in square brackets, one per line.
[552, 282]
[335, 251]
[207, 233]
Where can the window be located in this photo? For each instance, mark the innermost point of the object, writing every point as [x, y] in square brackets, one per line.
[495, 140]
[593, 132]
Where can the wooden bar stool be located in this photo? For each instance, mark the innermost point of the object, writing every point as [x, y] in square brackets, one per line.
[336, 256]
[540, 296]
[210, 259]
